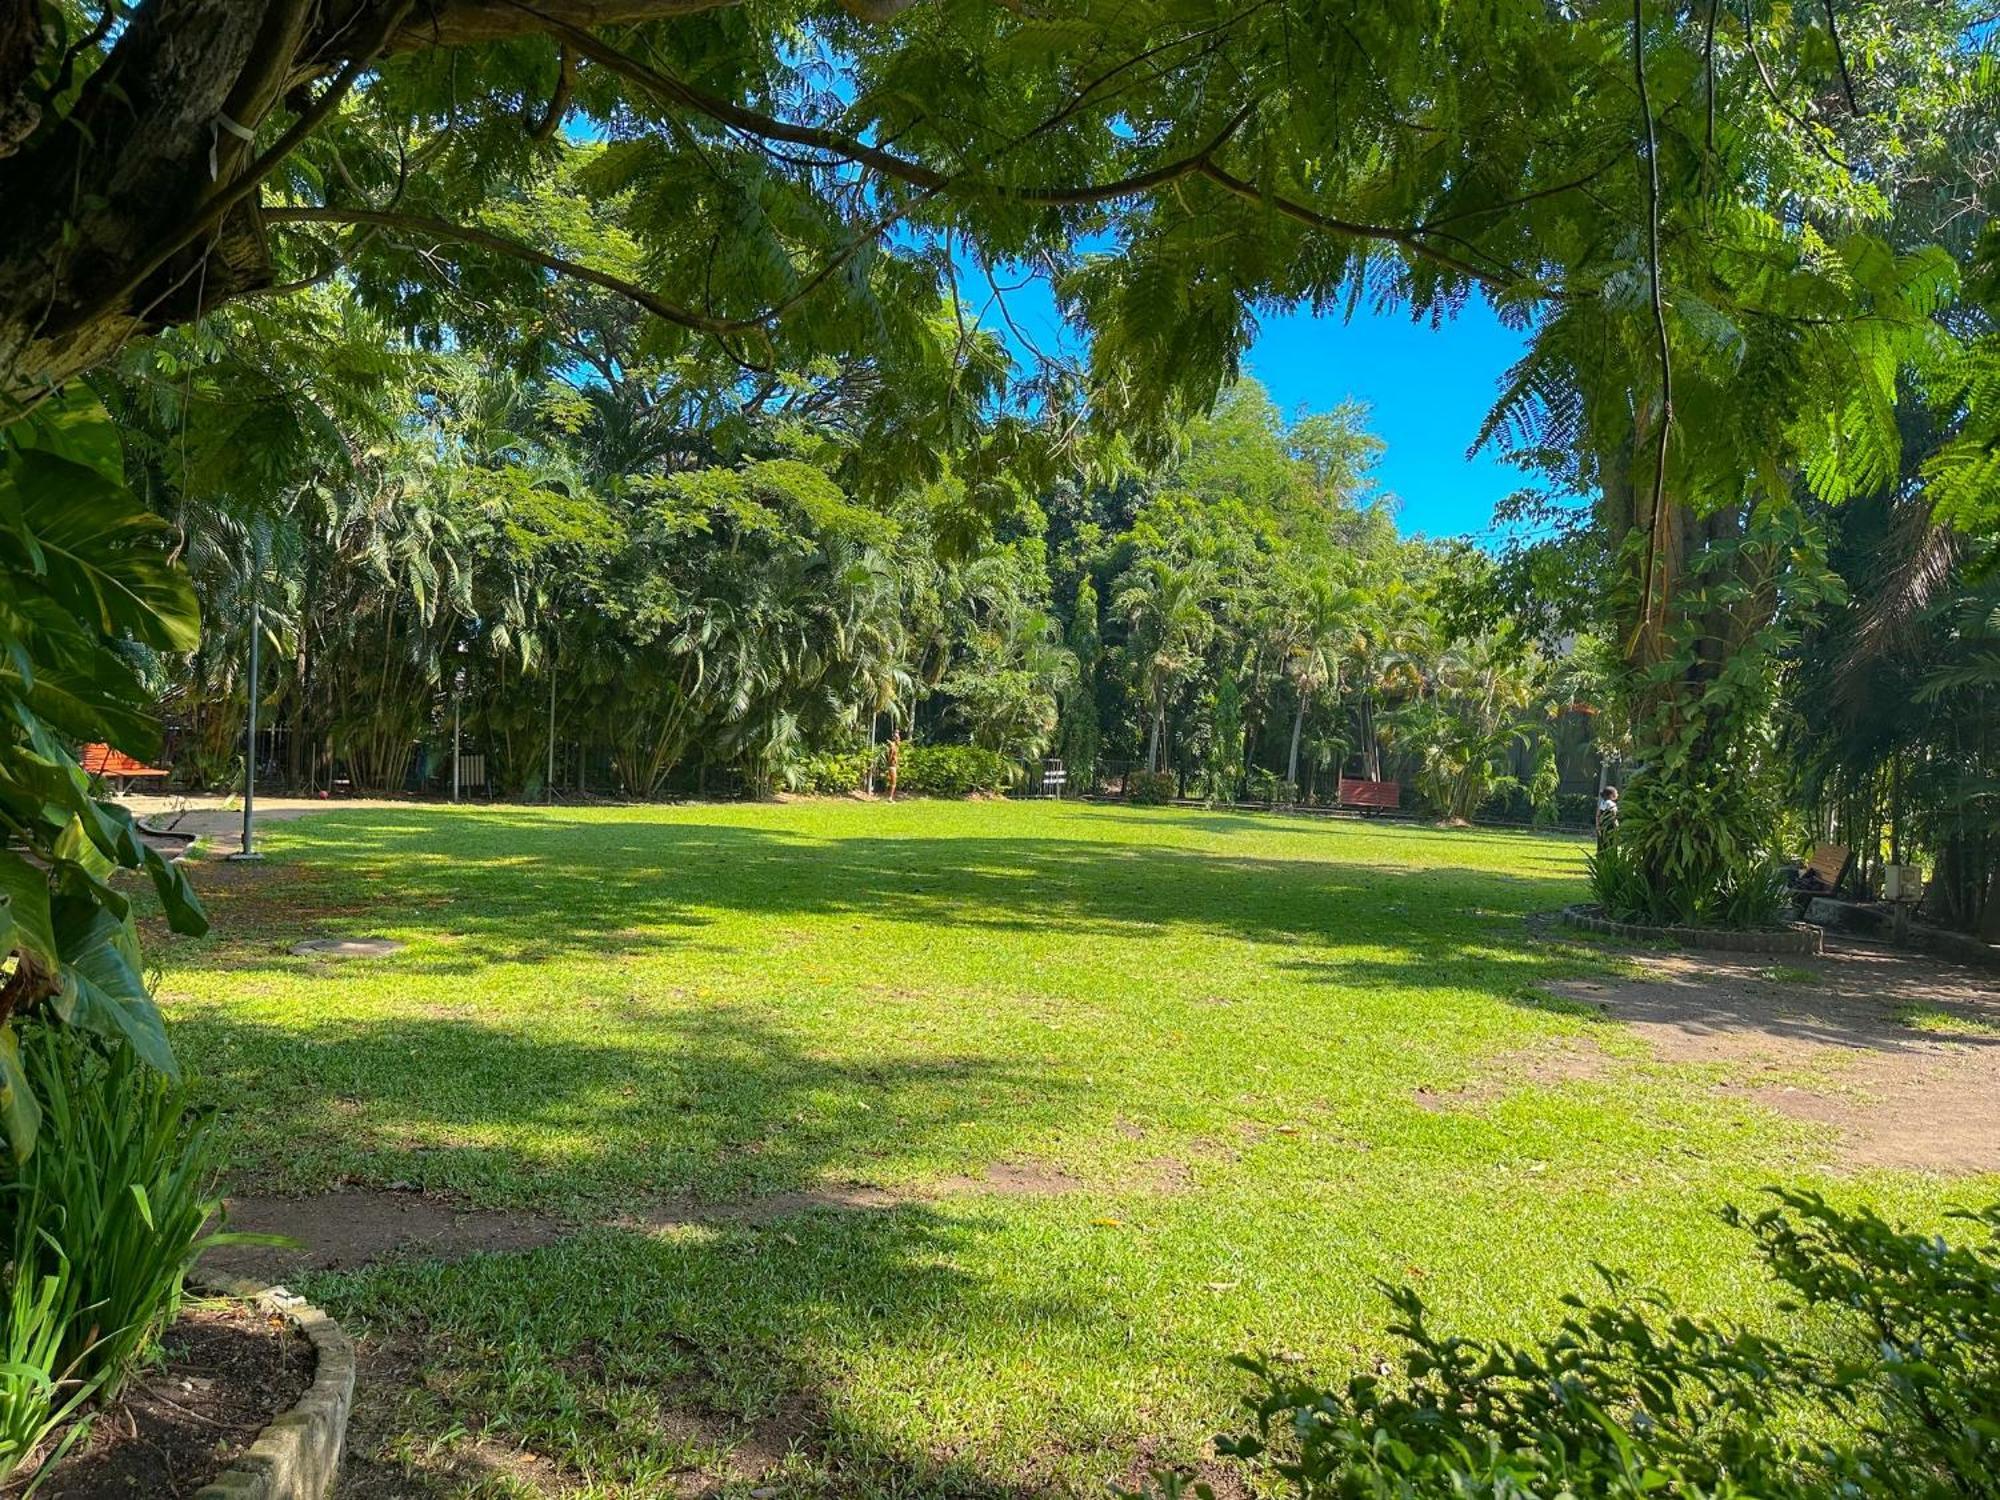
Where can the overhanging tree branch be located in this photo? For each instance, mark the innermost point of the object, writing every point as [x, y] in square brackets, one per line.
[849, 148]
[443, 229]
[1409, 239]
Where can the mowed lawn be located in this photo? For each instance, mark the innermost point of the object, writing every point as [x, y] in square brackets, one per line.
[1149, 1086]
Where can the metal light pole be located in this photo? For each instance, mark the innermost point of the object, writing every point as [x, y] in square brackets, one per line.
[249, 849]
[549, 784]
[457, 692]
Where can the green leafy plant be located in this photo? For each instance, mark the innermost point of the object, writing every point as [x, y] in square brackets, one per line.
[38, 1393]
[124, 1188]
[104, 1220]
[1633, 1397]
[1150, 788]
[833, 774]
[950, 771]
[82, 578]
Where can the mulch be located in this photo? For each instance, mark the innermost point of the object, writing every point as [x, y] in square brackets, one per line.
[224, 1370]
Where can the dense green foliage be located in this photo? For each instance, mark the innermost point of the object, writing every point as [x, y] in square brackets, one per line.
[102, 1223]
[582, 587]
[85, 590]
[1634, 1397]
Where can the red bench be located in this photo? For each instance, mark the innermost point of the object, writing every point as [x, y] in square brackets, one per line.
[116, 767]
[1376, 796]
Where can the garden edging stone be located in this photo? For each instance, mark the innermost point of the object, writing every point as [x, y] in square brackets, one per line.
[1793, 937]
[297, 1456]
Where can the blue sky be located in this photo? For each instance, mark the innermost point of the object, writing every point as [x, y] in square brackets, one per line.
[1427, 390]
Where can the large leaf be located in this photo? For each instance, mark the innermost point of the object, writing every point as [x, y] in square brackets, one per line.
[98, 549]
[183, 907]
[20, 1114]
[25, 890]
[46, 771]
[93, 697]
[102, 990]
[82, 866]
[74, 425]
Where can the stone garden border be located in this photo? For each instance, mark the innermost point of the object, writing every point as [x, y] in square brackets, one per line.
[1793, 937]
[296, 1457]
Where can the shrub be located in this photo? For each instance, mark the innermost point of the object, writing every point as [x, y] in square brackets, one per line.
[1632, 1398]
[1264, 786]
[1150, 788]
[832, 774]
[950, 770]
[103, 1221]
[1691, 849]
[1576, 809]
[1748, 893]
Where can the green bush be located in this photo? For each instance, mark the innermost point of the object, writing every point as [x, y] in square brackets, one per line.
[1692, 851]
[832, 774]
[1632, 1398]
[103, 1221]
[1265, 786]
[950, 770]
[1746, 894]
[1576, 809]
[1150, 788]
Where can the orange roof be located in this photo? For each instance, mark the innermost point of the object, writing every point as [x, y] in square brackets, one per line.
[102, 760]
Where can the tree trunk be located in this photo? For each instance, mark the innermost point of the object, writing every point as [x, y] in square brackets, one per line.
[1371, 747]
[1298, 730]
[138, 209]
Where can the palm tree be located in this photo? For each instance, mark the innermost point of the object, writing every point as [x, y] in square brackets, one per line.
[1320, 624]
[1167, 610]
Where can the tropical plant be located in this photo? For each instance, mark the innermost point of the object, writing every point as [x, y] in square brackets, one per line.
[103, 1220]
[1318, 625]
[84, 582]
[1633, 1397]
[1167, 608]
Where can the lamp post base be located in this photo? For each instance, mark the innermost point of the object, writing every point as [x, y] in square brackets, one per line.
[244, 854]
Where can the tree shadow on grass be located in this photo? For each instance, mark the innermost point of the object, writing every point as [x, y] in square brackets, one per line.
[711, 1102]
[684, 1363]
[527, 890]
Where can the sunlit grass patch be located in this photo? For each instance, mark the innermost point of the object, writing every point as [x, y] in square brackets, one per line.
[1133, 1089]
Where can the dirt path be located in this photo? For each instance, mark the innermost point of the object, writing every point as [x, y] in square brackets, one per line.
[218, 821]
[1900, 1053]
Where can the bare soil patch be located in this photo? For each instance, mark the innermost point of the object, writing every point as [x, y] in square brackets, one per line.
[1819, 1039]
[226, 1370]
[1566, 1061]
[352, 1227]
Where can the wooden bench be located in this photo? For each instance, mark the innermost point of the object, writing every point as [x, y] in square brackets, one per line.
[1825, 870]
[116, 767]
[1374, 796]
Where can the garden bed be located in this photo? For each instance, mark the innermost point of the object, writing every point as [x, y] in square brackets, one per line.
[1792, 937]
[248, 1400]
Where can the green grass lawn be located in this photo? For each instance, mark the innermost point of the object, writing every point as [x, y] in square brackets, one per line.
[1232, 1039]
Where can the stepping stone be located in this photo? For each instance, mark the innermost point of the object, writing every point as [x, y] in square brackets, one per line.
[347, 947]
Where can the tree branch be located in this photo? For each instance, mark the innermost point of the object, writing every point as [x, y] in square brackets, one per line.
[888, 163]
[558, 97]
[461, 23]
[1840, 58]
[443, 229]
[1410, 239]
